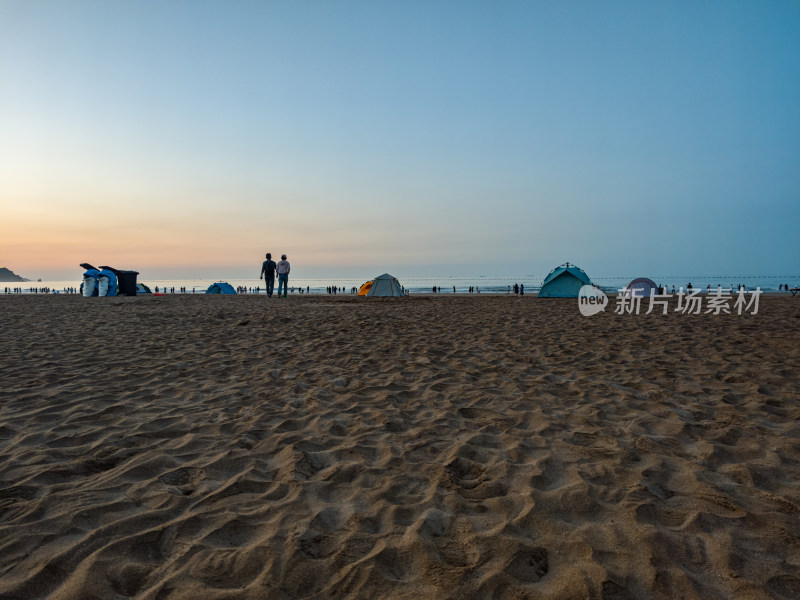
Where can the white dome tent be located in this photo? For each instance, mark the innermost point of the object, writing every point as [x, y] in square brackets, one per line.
[641, 287]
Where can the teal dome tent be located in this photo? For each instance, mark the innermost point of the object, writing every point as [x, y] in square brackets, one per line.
[220, 287]
[564, 282]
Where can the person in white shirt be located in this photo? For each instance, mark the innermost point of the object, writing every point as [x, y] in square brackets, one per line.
[283, 269]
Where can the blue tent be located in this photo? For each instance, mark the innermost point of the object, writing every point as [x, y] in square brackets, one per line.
[564, 282]
[220, 288]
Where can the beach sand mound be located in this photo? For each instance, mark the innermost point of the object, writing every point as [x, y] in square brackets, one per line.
[427, 447]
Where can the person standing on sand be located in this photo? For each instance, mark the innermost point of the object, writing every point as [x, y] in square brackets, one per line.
[268, 273]
[283, 269]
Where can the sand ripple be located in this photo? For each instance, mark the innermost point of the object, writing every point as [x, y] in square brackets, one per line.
[492, 447]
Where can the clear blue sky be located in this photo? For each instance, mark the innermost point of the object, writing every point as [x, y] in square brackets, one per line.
[497, 137]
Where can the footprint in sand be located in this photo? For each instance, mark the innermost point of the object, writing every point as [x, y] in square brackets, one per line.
[529, 565]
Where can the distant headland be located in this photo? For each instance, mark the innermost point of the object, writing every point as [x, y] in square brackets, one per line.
[6, 275]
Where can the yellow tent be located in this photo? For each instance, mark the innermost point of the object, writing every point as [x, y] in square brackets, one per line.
[365, 288]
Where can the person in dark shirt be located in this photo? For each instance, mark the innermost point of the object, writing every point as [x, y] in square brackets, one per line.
[268, 274]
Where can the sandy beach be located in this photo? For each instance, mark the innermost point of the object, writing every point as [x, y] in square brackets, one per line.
[426, 447]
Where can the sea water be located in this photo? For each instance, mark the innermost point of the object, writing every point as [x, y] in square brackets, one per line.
[424, 285]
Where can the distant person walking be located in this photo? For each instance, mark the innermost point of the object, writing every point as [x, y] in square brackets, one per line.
[268, 274]
[283, 269]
